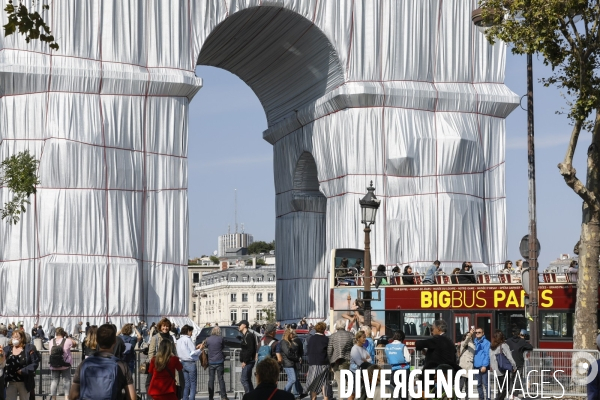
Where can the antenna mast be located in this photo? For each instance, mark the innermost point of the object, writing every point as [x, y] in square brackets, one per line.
[236, 225]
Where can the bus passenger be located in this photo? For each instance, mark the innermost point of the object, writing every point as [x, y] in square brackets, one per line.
[408, 277]
[396, 276]
[431, 273]
[380, 276]
[344, 274]
[454, 276]
[466, 275]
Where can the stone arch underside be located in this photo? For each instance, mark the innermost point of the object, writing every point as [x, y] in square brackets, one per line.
[290, 64]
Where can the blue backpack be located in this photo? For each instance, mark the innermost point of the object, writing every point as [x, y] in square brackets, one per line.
[99, 378]
[264, 350]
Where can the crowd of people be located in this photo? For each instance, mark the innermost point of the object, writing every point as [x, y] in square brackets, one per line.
[108, 356]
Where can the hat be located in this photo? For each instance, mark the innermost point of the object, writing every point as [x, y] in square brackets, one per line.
[598, 341]
[523, 332]
[244, 322]
[294, 326]
[270, 328]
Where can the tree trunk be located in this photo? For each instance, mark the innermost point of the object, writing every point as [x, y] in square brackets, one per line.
[586, 306]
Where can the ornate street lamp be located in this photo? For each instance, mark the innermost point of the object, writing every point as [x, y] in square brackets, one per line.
[369, 205]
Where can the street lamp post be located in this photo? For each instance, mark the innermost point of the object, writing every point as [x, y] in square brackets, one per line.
[369, 205]
[479, 21]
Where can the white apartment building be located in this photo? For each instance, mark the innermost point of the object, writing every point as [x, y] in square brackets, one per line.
[233, 240]
[234, 294]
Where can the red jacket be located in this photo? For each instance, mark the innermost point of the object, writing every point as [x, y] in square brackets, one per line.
[163, 382]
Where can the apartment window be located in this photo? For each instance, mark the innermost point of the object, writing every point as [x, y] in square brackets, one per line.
[234, 278]
[270, 296]
[245, 297]
[195, 277]
[271, 278]
[259, 278]
[194, 307]
[245, 278]
[245, 314]
[233, 297]
[258, 315]
[233, 315]
[259, 297]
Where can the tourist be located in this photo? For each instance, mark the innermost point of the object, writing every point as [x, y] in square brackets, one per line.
[481, 362]
[498, 347]
[359, 356]
[369, 344]
[267, 375]
[291, 355]
[573, 271]
[129, 342]
[380, 276]
[77, 330]
[186, 350]
[431, 272]
[163, 328]
[90, 346]
[60, 362]
[22, 360]
[95, 371]
[247, 355]
[439, 347]
[216, 362]
[163, 369]
[466, 276]
[408, 277]
[518, 346]
[339, 348]
[466, 354]
[268, 340]
[51, 331]
[318, 364]
[454, 276]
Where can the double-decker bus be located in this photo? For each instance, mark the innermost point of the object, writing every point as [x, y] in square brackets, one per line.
[498, 302]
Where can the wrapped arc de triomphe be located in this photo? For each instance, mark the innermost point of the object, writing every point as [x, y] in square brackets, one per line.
[405, 93]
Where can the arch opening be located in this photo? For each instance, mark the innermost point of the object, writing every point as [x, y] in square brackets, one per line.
[286, 59]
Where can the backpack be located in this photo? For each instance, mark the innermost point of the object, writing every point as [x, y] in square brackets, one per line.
[57, 355]
[129, 352]
[265, 349]
[293, 352]
[99, 378]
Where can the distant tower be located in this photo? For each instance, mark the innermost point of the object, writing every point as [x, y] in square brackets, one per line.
[234, 240]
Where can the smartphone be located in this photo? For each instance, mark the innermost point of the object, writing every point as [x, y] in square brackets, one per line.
[472, 327]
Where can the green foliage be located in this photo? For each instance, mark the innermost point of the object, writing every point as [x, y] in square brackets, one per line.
[215, 259]
[269, 316]
[19, 174]
[566, 34]
[30, 24]
[261, 247]
[260, 261]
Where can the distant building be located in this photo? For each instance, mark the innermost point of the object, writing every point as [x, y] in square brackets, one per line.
[237, 292]
[196, 269]
[233, 240]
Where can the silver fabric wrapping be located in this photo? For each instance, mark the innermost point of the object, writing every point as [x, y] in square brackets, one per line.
[405, 93]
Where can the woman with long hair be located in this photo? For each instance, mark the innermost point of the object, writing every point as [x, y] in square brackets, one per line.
[318, 379]
[498, 347]
[454, 276]
[408, 277]
[59, 371]
[21, 362]
[90, 346]
[290, 354]
[163, 368]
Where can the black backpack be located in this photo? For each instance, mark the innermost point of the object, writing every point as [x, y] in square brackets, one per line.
[57, 355]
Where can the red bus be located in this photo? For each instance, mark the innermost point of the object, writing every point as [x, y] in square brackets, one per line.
[495, 303]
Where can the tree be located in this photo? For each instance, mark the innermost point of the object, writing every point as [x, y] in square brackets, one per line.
[19, 174]
[260, 261]
[215, 259]
[30, 24]
[566, 34]
[261, 247]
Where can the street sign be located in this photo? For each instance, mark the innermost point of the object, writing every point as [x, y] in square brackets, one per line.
[524, 247]
[525, 279]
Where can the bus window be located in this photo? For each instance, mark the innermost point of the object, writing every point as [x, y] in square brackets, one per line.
[393, 322]
[505, 321]
[557, 325]
[418, 324]
[484, 321]
[461, 326]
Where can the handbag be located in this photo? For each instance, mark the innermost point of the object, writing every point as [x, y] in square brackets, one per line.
[204, 356]
[503, 364]
[178, 388]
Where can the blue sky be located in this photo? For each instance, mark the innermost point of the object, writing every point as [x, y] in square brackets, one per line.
[227, 152]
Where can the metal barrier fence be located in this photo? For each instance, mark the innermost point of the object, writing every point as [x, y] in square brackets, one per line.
[558, 372]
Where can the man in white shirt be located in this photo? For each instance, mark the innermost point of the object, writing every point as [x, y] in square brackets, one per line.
[185, 350]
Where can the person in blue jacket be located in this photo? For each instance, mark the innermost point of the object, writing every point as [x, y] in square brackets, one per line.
[593, 387]
[431, 272]
[397, 354]
[481, 362]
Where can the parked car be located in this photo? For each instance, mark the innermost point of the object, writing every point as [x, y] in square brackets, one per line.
[232, 337]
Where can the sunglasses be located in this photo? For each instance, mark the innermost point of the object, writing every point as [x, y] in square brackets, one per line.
[478, 332]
